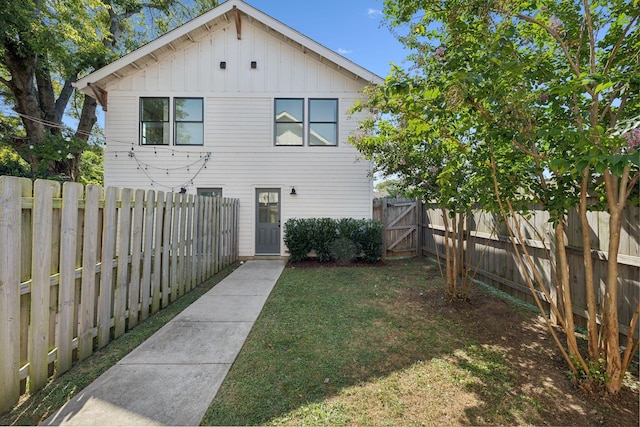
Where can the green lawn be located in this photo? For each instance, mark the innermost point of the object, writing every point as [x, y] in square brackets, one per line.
[379, 345]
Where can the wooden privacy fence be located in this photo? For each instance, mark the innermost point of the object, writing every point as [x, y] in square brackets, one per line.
[489, 248]
[79, 267]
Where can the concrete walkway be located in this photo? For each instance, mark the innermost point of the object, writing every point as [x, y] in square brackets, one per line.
[173, 376]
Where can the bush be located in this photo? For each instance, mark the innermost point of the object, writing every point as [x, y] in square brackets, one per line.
[325, 231]
[298, 238]
[370, 240]
[343, 250]
[334, 239]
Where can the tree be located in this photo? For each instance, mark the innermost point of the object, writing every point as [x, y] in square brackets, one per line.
[539, 100]
[45, 45]
[391, 188]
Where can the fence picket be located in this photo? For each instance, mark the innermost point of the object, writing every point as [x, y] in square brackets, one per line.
[182, 246]
[71, 193]
[106, 272]
[156, 289]
[10, 229]
[190, 265]
[145, 291]
[89, 261]
[122, 273]
[166, 249]
[44, 192]
[174, 247]
[136, 258]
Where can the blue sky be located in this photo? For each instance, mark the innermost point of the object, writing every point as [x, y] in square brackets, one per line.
[352, 28]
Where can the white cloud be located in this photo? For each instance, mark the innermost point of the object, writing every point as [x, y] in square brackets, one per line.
[342, 51]
[374, 13]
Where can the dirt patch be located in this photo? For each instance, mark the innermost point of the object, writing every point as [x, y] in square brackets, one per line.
[539, 371]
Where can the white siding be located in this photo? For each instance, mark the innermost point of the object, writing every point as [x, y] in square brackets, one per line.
[239, 103]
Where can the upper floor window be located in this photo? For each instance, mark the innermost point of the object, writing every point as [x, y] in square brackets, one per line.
[289, 121]
[319, 123]
[188, 117]
[323, 122]
[154, 121]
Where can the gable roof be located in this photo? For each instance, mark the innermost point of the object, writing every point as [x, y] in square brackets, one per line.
[198, 28]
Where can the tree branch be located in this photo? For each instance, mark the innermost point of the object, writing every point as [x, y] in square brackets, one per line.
[63, 98]
[592, 39]
[575, 67]
[614, 51]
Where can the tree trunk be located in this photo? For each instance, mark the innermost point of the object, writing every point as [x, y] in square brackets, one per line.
[611, 338]
[592, 323]
[562, 273]
[26, 98]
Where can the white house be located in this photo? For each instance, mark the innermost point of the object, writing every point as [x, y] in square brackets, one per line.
[237, 104]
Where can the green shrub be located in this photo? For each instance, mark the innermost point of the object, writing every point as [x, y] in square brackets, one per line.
[325, 232]
[370, 240]
[343, 250]
[343, 239]
[298, 238]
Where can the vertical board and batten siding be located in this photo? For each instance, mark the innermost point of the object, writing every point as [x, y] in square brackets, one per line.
[239, 128]
[490, 250]
[80, 266]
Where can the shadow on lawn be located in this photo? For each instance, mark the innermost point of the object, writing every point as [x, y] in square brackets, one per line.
[360, 346]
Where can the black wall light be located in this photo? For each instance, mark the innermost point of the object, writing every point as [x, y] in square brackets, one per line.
[293, 191]
[223, 65]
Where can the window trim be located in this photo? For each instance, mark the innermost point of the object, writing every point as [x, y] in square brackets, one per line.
[337, 104]
[176, 121]
[141, 122]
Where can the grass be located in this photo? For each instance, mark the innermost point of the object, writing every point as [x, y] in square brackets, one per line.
[35, 408]
[379, 346]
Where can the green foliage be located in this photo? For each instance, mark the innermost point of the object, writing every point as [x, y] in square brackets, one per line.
[297, 237]
[325, 231]
[369, 240]
[343, 250]
[92, 167]
[302, 235]
[12, 164]
[596, 375]
[392, 188]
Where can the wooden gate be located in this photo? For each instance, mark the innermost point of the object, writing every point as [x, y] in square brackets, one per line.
[402, 222]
